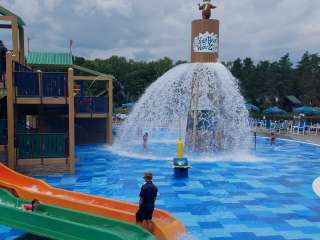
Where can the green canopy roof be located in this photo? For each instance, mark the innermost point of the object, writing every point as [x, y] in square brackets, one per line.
[6, 12]
[49, 58]
[251, 107]
[307, 110]
[274, 110]
[294, 100]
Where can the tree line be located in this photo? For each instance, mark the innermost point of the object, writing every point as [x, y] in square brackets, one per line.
[131, 77]
[268, 83]
[264, 83]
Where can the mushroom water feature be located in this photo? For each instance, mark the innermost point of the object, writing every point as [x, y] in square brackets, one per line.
[203, 94]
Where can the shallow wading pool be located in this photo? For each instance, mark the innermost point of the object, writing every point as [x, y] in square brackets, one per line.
[265, 195]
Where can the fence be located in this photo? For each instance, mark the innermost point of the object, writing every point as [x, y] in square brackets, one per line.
[46, 84]
[27, 84]
[41, 145]
[91, 104]
[54, 84]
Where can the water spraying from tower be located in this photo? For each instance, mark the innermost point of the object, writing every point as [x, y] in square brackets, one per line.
[203, 95]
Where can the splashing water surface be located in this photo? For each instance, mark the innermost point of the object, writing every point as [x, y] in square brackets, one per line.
[203, 92]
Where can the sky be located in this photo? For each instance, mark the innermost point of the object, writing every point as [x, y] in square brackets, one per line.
[153, 29]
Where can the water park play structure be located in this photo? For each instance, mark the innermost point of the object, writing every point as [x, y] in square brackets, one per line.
[165, 225]
[46, 109]
[59, 223]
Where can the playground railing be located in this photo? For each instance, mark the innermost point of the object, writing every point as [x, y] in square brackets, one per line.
[27, 84]
[40, 84]
[41, 145]
[54, 84]
[91, 104]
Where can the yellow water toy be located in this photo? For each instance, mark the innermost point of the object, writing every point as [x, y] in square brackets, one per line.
[180, 164]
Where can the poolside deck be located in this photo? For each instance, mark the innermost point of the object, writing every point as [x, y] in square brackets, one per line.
[315, 139]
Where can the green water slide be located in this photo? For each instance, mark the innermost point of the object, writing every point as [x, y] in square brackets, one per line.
[59, 223]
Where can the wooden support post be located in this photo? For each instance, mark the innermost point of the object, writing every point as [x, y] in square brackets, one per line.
[110, 109]
[40, 85]
[15, 38]
[21, 43]
[71, 121]
[10, 110]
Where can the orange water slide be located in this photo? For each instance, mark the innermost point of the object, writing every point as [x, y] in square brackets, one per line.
[166, 226]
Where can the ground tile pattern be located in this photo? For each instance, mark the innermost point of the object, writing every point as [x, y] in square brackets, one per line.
[270, 199]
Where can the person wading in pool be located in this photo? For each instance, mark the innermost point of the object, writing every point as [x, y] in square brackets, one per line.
[273, 139]
[145, 141]
[148, 195]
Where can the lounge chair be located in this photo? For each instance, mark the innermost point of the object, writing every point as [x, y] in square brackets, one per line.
[314, 128]
[285, 127]
[301, 127]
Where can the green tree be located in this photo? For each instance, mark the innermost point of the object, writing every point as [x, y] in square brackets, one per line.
[308, 78]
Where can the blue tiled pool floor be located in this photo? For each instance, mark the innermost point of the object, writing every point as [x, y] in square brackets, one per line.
[271, 199]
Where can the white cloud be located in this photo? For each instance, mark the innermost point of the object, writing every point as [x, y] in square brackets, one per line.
[29, 10]
[154, 29]
[106, 7]
[93, 53]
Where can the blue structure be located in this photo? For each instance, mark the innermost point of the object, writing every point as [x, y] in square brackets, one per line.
[181, 167]
[274, 110]
[306, 110]
[252, 108]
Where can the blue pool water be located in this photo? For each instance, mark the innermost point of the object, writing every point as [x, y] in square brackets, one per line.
[268, 197]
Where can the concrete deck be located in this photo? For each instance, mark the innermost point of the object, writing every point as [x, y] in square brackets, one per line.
[315, 139]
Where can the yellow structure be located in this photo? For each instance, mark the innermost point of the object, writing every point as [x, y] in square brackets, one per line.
[180, 149]
[180, 142]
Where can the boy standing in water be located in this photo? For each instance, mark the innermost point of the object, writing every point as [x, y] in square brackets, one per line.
[148, 195]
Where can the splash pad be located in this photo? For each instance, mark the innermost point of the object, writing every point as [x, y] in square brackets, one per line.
[202, 94]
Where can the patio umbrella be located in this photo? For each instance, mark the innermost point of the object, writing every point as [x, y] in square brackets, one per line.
[274, 110]
[252, 108]
[128, 105]
[306, 110]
